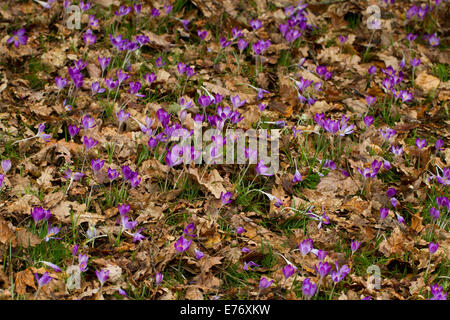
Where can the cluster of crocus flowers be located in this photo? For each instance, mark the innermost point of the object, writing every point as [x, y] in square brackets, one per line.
[341, 127]
[40, 214]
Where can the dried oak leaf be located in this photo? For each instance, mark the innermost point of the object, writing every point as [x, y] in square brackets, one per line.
[213, 182]
[23, 279]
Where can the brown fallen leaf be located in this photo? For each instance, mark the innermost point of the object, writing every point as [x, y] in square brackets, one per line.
[427, 82]
[23, 279]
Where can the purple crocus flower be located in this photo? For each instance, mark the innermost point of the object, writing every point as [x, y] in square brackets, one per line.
[150, 78]
[6, 165]
[204, 101]
[60, 82]
[384, 213]
[224, 43]
[202, 34]
[370, 100]
[38, 214]
[264, 283]
[97, 164]
[103, 62]
[391, 192]
[102, 275]
[250, 265]
[434, 213]
[89, 37]
[297, 177]
[240, 230]
[75, 176]
[155, 12]
[226, 197]
[82, 262]
[123, 11]
[397, 150]
[432, 247]
[323, 268]
[411, 37]
[308, 288]
[242, 44]
[368, 120]
[89, 142]
[414, 62]
[95, 88]
[112, 174]
[236, 101]
[52, 265]
[261, 169]
[111, 84]
[45, 136]
[52, 232]
[122, 116]
[88, 122]
[73, 130]
[255, 24]
[43, 280]
[18, 37]
[305, 246]
[421, 143]
[182, 244]
[433, 40]
[159, 62]
[289, 270]
[158, 278]
[354, 245]
[372, 70]
[439, 144]
[339, 274]
[198, 254]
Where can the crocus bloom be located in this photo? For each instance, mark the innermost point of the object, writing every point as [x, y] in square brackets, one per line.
[264, 283]
[323, 268]
[52, 232]
[305, 246]
[6, 165]
[432, 247]
[397, 150]
[289, 270]
[82, 262]
[433, 40]
[414, 62]
[240, 230]
[60, 82]
[261, 169]
[242, 44]
[89, 142]
[255, 24]
[75, 176]
[421, 143]
[434, 213]
[45, 136]
[339, 274]
[97, 164]
[225, 197]
[102, 275]
[198, 254]
[42, 281]
[95, 88]
[249, 265]
[88, 122]
[394, 202]
[439, 144]
[158, 278]
[18, 37]
[308, 288]
[202, 34]
[368, 120]
[73, 130]
[52, 265]
[182, 244]
[89, 37]
[297, 177]
[122, 116]
[354, 245]
[384, 213]
[159, 62]
[372, 69]
[391, 192]
[38, 214]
